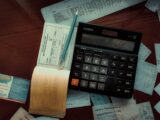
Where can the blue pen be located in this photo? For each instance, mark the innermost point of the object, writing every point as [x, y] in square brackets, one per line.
[63, 55]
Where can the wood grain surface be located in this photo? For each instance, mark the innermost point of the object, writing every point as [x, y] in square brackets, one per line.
[20, 35]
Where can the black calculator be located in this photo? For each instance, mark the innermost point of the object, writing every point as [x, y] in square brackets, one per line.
[104, 60]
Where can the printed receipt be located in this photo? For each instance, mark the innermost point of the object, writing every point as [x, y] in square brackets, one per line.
[52, 43]
[157, 51]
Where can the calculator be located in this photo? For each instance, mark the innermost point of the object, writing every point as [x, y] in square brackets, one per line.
[104, 60]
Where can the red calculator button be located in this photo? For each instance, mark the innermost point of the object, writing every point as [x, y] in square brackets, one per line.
[74, 82]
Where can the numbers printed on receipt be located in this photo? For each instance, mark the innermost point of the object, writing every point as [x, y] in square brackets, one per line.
[52, 42]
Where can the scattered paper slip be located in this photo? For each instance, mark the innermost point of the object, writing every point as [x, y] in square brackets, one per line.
[78, 99]
[145, 111]
[21, 114]
[62, 12]
[98, 99]
[44, 118]
[153, 5]
[144, 52]
[125, 109]
[157, 89]
[157, 107]
[145, 79]
[104, 112]
[14, 88]
[157, 53]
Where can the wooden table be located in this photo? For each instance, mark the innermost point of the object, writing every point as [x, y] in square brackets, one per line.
[20, 36]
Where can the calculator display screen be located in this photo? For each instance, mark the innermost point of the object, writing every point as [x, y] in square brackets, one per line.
[104, 41]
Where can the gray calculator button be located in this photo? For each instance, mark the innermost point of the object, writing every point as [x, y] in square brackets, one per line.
[102, 78]
[88, 59]
[85, 75]
[92, 85]
[93, 76]
[86, 67]
[95, 69]
[84, 83]
[103, 70]
[104, 62]
[96, 60]
[101, 86]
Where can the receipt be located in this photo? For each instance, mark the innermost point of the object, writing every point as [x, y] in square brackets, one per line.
[77, 99]
[144, 52]
[99, 99]
[88, 10]
[157, 107]
[157, 52]
[44, 118]
[104, 112]
[145, 111]
[157, 89]
[52, 43]
[152, 5]
[145, 79]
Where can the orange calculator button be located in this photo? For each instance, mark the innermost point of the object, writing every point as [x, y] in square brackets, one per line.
[74, 82]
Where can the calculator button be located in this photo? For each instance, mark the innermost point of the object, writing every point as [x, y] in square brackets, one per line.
[96, 60]
[102, 78]
[114, 57]
[104, 62]
[92, 85]
[122, 65]
[128, 83]
[77, 65]
[79, 58]
[103, 70]
[76, 73]
[130, 74]
[113, 64]
[121, 73]
[94, 68]
[118, 90]
[127, 91]
[123, 58]
[93, 77]
[132, 59]
[112, 72]
[101, 86]
[86, 67]
[84, 83]
[109, 83]
[75, 82]
[79, 51]
[85, 75]
[131, 66]
[88, 59]
[119, 82]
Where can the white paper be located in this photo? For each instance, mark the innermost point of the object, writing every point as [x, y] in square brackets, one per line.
[145, 111]
[77, 99]
[126, 109]
[152, 5]
[52, 43]
[157, 89]
[157, 107]
[144, 52]
[44, 118]
[98, 99]
[21, 114]
[104, 112]
[88, 10]
[157, 53]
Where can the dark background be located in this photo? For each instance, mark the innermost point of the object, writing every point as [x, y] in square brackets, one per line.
[20, 35]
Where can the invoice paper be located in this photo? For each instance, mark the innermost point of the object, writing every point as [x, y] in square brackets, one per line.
[88, 10]
[157, 52]
[153, 5]
[157, 89]
[157, 107]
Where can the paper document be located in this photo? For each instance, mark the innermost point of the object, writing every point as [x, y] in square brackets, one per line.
[145, 79]
[14, 88]
[104, 112]
[157, 89]
[62, 12]
[153, 5]
[157, 52]
[126, 109]
[21, 114]
[52, 43]
[44, 118]
[144, 52]
[145, 111]
[157, 107]
[77, 99]
[98, 99]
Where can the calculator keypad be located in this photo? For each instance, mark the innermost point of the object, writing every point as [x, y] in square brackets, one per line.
[103, 72]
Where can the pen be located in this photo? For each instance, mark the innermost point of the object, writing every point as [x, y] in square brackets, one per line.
[64, 52]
